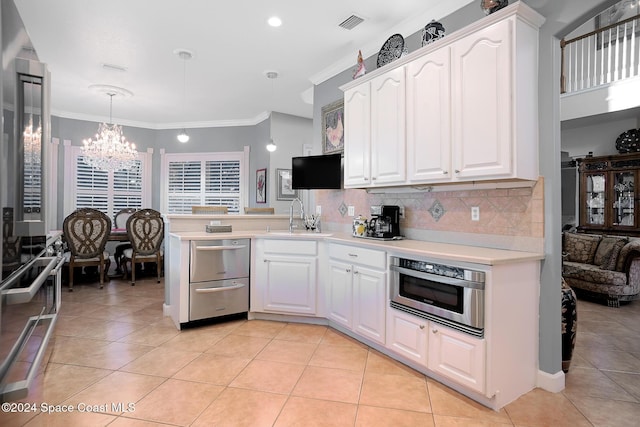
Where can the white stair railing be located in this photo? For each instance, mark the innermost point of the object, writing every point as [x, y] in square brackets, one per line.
[601, 57]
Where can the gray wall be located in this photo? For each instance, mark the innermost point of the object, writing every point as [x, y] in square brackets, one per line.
[293, 133]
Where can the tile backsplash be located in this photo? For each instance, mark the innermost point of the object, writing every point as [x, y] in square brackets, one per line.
[504, 212]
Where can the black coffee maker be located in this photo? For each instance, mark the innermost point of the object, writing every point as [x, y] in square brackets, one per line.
[384, 222]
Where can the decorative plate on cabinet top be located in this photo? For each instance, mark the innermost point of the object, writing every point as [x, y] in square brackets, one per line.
[391, 50]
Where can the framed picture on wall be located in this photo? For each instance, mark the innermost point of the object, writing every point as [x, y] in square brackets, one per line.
[333, 127]
[285, 190]
[261, 186]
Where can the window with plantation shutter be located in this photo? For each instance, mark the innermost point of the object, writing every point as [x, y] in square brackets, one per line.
[108, 191]
[32, 186]
[203, 179]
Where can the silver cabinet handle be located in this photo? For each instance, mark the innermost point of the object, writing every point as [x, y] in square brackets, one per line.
[353, 255]
[457, 171]
[348, 270]
[218, 248]
[445, 172]
[434, 330]
[421, 326]
[24, 295]
[236, 285]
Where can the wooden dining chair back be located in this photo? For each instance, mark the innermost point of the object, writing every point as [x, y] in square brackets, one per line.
[145, 229]
[120, 221]
[259, 211]
[11, 245]
[86, 232]
[209, 210]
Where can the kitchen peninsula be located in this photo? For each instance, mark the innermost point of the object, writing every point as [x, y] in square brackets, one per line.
[338, 280]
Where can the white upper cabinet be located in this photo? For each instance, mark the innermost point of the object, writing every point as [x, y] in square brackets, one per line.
[375, 129]
[388, 128]
[357, 107]
[481, 89]
[462, 109]
[429, 118]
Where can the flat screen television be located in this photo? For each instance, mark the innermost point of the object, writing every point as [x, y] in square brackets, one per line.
[317, 172]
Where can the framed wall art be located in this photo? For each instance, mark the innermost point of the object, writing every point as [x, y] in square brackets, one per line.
[333, 127]
[285, 190]
[261, 186]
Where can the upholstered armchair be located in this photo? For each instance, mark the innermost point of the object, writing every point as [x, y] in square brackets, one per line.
[86, 232]
[145, 229]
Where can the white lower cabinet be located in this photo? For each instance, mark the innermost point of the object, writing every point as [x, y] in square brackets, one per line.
[407, 335]
[457, 356]
[452, 354]
[356, 295]
[286, 277]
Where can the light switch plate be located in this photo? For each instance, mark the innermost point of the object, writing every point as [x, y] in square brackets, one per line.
[319, 210]
[351, 211]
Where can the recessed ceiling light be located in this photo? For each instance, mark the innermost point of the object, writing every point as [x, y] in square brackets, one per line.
[274, 21]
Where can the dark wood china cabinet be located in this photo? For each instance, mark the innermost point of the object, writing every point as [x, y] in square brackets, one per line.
[609, 194]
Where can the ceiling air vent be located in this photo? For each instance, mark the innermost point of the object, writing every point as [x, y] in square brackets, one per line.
[351, 22]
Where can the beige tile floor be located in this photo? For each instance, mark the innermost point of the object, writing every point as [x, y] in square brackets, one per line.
[114, 346]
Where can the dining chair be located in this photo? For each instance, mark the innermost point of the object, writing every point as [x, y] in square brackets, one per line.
[11, 245]
[145, 229]
[86, 232]
[204, 210]
[259, 211]
[120, 221]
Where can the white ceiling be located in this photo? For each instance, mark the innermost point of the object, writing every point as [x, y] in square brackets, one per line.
[233, 47]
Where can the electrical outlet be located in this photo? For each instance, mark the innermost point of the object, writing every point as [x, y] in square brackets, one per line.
[319, 210]
[401, 211]
[351, 211]
[475, 213]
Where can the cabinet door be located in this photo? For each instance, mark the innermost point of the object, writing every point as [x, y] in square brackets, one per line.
[290, 285]
[407, 335]
[369, 298]
[457, 356]
[624, 203]
[357, 136]
[482, 105]
[429, 118]
[594, 199]
[339, 306]
[388, 165]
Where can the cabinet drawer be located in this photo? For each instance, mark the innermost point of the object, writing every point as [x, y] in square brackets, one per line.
[357, 255]
[292, 246]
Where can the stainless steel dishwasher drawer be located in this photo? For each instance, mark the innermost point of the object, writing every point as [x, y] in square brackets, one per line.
[218, 298]
[219, 259]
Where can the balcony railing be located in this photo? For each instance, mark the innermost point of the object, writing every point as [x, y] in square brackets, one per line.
[601, 57]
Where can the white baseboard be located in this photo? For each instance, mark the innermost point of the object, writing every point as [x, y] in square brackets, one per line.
[553, 383]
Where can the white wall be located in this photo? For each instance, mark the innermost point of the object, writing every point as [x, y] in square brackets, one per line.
[597, 136]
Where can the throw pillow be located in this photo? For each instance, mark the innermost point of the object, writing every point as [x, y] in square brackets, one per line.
[606, 245]
[580, 247]
[610, 262]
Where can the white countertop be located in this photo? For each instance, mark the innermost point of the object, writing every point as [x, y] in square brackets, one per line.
[446, 251]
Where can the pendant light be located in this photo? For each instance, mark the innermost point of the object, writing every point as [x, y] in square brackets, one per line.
[109, 151]
[271, 75]
[185, 55]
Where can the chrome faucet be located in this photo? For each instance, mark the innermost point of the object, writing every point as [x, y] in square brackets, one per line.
[291, 226]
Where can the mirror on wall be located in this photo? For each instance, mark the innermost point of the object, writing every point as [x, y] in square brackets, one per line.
[31, 133]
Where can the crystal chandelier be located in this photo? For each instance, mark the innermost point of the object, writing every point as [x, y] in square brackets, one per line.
[32, 143]
[110, 151]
